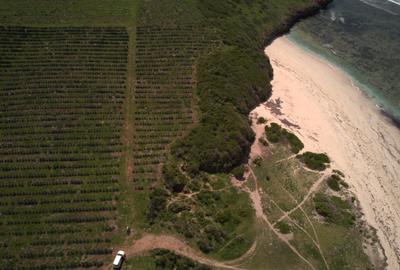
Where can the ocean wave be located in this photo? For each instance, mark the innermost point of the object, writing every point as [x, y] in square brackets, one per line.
[382, 5]
[396, 2]
[333, 15]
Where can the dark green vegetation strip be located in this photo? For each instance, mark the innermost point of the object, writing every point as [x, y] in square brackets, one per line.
[61, 114]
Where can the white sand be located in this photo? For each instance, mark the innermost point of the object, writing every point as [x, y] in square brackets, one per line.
[333, 116]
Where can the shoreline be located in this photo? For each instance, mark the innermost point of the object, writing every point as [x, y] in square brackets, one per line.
[322, 106]
[371, 92]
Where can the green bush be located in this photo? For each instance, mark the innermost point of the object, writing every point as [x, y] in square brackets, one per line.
[167, 260]
[273, 132]
[283, 227]
[158, 202]
[238, 172]
[344, 184]
[295, 143]
[261, 120]
[224, 216]
[263, 141]
[315, 161]
[334, 210]
[179, 206]
[205, 245]
[340, 173]
[257, 161]
[173, 178]
[333, 182]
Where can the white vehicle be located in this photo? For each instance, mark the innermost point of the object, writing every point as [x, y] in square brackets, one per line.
[119, 260]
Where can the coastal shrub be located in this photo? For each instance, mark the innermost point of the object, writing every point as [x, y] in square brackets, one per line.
[174, 180]
[224, 216]
[344, 184]
[205, 245]
[314, 161]
[238, 172]
[334, 209]
[340, 173]
[263, 141]
[261, 120]
[295, 143]
[333, 182]
[273, 132]
[179, 206]
[215, 233]
[257, 161]
[283, 227]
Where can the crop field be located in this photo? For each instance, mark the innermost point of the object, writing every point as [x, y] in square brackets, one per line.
[62, 92]
[48, 13]
[163, 95]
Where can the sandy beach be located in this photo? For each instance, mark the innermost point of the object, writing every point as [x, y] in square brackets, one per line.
[320, 104]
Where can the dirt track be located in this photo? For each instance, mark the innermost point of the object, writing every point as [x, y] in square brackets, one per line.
[150, 242]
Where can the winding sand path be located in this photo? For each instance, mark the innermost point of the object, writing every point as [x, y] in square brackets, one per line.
[314, 188]
[257, 203]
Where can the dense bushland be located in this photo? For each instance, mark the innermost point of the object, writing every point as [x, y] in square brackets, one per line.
[230, 83]
[234, 79]
[208, 212]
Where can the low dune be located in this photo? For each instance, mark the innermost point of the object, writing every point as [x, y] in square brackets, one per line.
[321, 105]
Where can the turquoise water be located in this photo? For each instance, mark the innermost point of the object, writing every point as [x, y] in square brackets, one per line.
[363, 38]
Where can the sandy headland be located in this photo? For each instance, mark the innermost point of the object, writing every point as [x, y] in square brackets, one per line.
[321, 105]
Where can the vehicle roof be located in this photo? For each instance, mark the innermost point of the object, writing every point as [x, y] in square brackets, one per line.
[117, 259]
